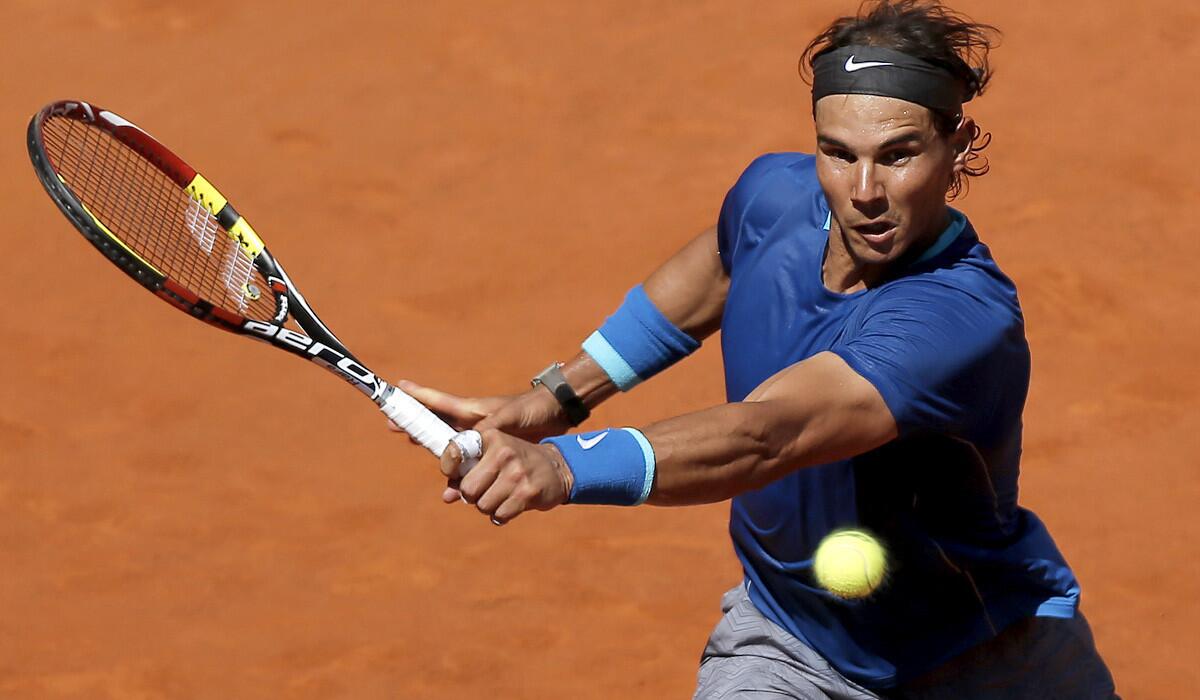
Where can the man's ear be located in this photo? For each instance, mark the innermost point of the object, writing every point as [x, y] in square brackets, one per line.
[961, 140]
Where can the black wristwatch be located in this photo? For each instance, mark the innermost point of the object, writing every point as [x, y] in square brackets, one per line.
[552, 378]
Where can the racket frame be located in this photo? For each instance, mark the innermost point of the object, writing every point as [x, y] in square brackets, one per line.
[320, 345]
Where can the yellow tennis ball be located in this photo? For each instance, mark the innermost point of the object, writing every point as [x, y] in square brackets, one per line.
[850, 563]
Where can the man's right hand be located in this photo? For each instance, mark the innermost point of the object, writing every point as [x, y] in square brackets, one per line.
[532, 415]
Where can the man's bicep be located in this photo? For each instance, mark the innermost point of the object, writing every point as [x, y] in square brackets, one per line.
[826, 411]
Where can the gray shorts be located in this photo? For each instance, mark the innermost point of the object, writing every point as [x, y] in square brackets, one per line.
[748, 656]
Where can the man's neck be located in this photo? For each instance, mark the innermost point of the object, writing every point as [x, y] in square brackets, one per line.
[843, 273]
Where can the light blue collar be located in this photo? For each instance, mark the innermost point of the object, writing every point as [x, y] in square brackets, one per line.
[957, 223]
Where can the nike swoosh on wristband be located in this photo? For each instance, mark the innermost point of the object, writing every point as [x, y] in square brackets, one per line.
[590, 442]
[851, 66]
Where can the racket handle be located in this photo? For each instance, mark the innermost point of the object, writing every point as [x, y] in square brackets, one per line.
[430, 431]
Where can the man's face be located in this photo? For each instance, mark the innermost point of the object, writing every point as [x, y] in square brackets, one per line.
[885, 170]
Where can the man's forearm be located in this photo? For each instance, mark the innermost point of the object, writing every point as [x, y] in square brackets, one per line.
[688, 289]
[713, 454]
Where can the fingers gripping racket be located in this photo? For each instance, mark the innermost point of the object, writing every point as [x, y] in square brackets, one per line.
[167, 227]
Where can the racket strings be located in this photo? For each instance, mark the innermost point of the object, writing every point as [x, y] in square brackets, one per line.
[203, 227]
[154, 218]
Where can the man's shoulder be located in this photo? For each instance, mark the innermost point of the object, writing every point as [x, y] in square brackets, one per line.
[773, 184]
[969, 289]
[799, 167]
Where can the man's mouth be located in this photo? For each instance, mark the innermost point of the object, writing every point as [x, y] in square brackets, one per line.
[876, 232]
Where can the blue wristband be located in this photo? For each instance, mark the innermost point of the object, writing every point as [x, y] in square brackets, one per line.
[611, 467]
[637, 342]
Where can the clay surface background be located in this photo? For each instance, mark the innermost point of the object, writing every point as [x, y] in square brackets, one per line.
[464, 190]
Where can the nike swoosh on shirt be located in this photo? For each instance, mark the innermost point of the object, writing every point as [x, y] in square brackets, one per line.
[851, 66]
[590, 442]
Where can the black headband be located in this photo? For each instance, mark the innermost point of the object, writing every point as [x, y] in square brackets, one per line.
[874, 70]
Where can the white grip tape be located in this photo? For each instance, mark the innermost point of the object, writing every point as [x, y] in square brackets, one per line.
[430, 431]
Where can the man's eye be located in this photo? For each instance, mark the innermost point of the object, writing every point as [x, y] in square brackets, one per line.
[896, 158]
[841, 155]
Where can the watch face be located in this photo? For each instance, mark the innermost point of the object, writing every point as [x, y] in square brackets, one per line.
[542, 376]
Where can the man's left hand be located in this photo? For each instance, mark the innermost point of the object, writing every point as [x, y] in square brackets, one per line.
[512, 476]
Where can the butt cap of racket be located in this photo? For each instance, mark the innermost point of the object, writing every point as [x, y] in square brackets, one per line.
[470, 446]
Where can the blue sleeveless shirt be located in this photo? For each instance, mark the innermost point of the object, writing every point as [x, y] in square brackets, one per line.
[944, 344]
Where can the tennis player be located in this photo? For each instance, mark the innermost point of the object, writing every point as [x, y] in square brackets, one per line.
[876, 368]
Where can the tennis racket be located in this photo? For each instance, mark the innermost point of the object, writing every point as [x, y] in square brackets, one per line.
[157, 219]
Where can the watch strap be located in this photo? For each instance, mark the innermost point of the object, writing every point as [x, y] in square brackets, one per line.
[552, 378]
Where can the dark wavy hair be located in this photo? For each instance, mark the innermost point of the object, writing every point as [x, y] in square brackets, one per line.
[932, 32]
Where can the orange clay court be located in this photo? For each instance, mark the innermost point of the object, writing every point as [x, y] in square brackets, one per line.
[463, 190]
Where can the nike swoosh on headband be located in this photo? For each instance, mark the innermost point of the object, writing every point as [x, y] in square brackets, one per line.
[851, 66]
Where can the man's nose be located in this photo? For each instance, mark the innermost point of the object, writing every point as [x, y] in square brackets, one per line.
[867, 194]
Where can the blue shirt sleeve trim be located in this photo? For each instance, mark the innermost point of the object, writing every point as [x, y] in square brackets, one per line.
[1061, 606]
[648, 456]
[887, 390]
[615, 366]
